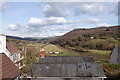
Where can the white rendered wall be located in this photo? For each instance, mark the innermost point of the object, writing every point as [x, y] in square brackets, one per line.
[2, 44]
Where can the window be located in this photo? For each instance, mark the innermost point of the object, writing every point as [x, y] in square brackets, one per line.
[88, 66]
[14, 57]
[79, 66]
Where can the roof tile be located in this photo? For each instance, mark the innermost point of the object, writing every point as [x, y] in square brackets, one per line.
[11, 48]
[9, 70]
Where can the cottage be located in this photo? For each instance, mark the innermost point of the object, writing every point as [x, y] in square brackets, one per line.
[11, 51]
[56, 52]
[115, 55]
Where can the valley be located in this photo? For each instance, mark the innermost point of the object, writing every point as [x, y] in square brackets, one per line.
[98, 45]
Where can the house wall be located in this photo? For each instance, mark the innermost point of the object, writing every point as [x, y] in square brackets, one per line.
[3, 49]
[17, 57]
[0, 66]
[11, 56]
[2, 44]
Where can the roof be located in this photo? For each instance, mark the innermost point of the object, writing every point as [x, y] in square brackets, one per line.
[67, 66]
[68, 70]
[8, 68]
[11, 48]
[115, 55]
[66, 59]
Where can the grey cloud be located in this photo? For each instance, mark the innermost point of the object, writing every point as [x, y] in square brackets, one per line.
[76, 8]
[55, 10]
[90, 8]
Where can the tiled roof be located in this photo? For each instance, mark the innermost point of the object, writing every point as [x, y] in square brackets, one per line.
[8, 69]
[11, 48]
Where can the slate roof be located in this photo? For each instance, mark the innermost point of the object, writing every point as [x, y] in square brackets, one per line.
[8, 69]
[115, 55]
[68, 70]
[11, 48]
[66, 59]
[66, 66]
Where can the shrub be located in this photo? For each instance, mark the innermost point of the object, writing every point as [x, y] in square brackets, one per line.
[91, 45]
[79, 48]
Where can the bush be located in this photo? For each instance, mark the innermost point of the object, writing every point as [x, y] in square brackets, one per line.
[91, 45]
[79, 48]
[101, 46]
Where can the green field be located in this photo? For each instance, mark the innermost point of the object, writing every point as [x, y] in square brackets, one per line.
[51, 47]
[100, 52]
[99, 55]
[104, 40]
[97, 40]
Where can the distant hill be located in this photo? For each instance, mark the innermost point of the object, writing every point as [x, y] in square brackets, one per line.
[81, 37]
[31, 38]
[19, 38]
[100, 31]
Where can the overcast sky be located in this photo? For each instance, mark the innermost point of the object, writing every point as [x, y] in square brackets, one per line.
[46, 19]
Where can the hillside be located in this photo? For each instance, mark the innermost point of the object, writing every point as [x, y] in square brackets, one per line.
[100, 31]
[101, 38]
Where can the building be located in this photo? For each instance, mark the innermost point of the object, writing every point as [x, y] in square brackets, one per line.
[115, 55]
[42, 54]
[11, 51]
[67, 67]
[8, 70]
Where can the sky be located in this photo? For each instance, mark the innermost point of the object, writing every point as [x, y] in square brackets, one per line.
[48, 19]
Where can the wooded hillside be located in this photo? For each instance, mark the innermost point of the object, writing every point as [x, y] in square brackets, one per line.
[101, 38]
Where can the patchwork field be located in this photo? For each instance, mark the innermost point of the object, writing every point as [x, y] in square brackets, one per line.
[99, 55]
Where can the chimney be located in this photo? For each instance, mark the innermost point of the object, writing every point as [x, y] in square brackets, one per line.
[2, 44]
[42, 54]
